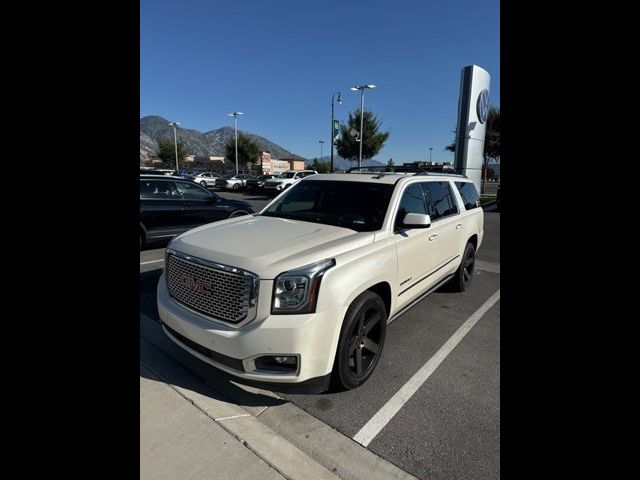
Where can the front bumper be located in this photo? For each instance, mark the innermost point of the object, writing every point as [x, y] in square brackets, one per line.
[312, 338]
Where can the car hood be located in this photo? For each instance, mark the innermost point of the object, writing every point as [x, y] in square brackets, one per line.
[235, 203]
[280, 180]
[268, 246]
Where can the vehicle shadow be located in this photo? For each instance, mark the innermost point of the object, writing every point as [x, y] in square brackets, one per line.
[174, 365]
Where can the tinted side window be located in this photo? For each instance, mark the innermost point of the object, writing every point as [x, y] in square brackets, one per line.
[469, 194]
[412, 202]
[191, 191]
[158, 189]
[440, 200]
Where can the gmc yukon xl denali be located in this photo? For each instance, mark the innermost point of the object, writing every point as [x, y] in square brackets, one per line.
[300, 294]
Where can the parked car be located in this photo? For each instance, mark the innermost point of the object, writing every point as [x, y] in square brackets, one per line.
[232, 181]
[286, 179]
[257, 184]
[303, 291]
[171, 205]
[207, 179]
[154, 171]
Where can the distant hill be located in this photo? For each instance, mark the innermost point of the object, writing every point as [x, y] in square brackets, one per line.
[154, 127]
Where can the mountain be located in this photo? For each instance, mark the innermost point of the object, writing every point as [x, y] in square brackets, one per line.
[153, 127]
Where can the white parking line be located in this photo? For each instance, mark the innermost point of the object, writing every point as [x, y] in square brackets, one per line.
[371, 429]
[152, 261]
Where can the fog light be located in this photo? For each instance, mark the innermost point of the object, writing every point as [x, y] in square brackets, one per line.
[287, 360]
[277, 364]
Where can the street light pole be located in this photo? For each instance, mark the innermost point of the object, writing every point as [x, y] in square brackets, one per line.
[355, 89]
[430, 151]
[235, 127]
[321, 142]
[175, 142]
[332, 120]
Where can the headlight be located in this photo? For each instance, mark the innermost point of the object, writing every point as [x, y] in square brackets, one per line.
[296, 291]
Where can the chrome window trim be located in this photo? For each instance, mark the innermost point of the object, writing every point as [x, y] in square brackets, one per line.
[252, 311]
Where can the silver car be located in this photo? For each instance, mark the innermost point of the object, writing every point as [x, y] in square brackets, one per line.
[207, 179]
[232, 181]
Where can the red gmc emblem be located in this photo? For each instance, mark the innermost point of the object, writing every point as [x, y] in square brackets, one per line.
[196, 285]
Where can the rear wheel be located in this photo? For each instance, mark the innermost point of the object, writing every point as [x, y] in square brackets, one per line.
[203, 183]
[463, 276]
[361, 341]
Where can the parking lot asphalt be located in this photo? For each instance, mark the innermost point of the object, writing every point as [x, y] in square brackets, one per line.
[450, 427]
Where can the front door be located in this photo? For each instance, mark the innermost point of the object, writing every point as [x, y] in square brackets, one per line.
[417, 248]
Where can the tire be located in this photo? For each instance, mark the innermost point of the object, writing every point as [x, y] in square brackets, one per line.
[461, 281]
[238, 213]
[203, 183]
[236, 187]
[358, 338]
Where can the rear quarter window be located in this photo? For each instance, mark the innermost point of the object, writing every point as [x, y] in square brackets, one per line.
[469, 195]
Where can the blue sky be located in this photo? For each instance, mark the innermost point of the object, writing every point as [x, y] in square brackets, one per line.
[279, 61]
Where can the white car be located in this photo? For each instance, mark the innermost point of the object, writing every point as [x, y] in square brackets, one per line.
[304, 290]
[207, 179]
[285, 180]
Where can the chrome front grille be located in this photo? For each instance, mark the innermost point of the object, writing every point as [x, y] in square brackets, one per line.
[218, 291]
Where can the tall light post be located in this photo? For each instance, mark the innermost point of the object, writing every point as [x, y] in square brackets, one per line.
[175, 142]
[333, 98]
[235, 127]
[430, 151]
[362, 89]
[321, 142]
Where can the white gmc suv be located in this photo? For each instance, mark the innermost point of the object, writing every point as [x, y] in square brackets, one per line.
[302, 292]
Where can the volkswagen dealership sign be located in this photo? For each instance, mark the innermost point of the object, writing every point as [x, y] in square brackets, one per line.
[482, 106]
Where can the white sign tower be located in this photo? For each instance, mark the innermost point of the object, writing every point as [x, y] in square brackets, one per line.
[473, 109]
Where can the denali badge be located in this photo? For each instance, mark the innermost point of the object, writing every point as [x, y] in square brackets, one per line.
[196, 285]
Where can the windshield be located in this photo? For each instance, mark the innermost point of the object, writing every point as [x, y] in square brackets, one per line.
[228, 176]
[287, 175]
[360, 206]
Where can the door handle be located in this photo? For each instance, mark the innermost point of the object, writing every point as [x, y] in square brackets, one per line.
[433, 237]
[458, 226]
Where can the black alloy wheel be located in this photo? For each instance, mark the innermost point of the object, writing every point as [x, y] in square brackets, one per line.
[361, 341]
[461, 281]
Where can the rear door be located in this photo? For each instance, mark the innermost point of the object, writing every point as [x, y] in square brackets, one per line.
[199, 206]
[446, 225]
[160, 208]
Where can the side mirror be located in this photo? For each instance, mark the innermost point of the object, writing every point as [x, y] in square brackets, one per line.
[416, 220]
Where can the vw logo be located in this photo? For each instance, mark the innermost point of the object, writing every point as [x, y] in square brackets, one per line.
[482, 107]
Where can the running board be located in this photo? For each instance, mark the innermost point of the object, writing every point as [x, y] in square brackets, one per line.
[421, 297]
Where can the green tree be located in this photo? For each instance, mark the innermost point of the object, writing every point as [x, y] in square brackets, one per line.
[491, 141]
[390, 163]
[167, 152]
[320, 167]
[374, 139]
[248, 150]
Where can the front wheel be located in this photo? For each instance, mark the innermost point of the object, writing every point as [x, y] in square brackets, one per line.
[236, 187]
[361, 341]
[238, 213]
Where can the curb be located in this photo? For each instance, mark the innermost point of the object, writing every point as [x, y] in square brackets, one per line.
[273, 449]
[287, 438]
